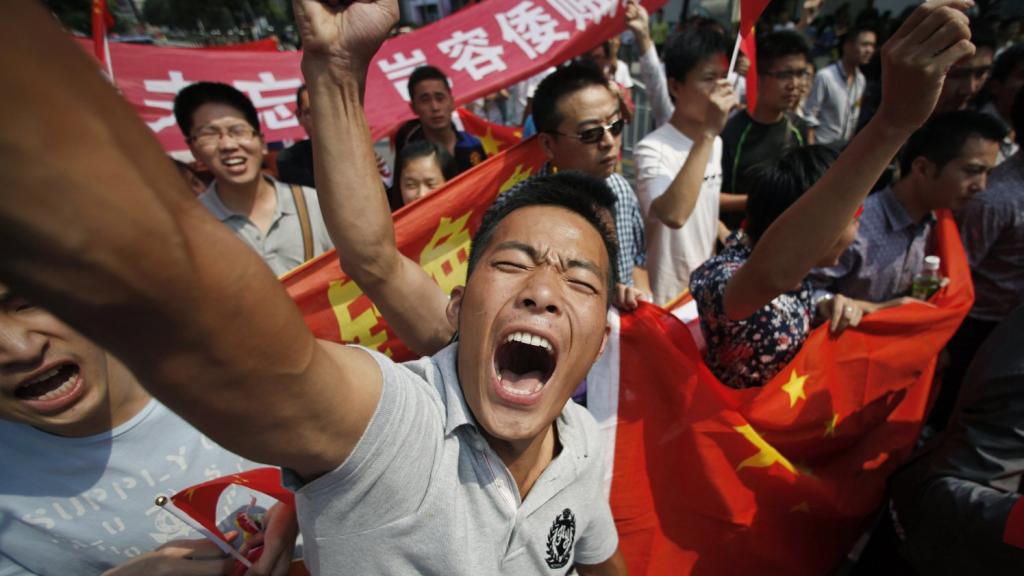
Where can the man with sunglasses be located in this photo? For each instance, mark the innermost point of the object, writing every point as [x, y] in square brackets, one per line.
[580, 125]
[833, 106]
[281, 222]
[764, 135]
[679, 165]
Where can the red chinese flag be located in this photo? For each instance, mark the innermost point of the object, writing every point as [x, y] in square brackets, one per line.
[434, 231]
[200, 501]
[494, 137]
[780, 479]
[750, 11]
[749, 47]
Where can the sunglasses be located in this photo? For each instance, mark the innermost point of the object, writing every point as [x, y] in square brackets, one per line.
[596, 134]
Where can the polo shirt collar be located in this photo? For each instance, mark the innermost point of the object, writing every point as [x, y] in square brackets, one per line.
[895, 215]
[458, 412]
[285, 202]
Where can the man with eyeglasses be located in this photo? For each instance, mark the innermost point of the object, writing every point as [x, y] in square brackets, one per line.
[679, 165]
[764, 135]
[833, 106]
[580, 124]
[281, 222]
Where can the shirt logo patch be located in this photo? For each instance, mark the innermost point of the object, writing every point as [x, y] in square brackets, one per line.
[560, 539]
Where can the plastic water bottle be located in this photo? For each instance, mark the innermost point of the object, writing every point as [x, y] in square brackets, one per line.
[928, 280]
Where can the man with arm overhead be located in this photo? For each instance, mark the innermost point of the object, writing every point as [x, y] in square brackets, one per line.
[467, 462]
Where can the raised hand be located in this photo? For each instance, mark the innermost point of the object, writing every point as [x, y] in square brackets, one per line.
[637, 19]
[721, 101]
[343, 36]
[918, 56]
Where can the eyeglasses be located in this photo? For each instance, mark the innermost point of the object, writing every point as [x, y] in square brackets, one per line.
[787, 75]
[210, 136]
[596, 134]
[964, 72]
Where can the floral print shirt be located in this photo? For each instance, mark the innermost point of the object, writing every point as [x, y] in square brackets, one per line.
[748, 352]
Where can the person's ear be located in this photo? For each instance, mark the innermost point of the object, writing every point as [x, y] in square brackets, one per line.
[547, 142]
[455, 307]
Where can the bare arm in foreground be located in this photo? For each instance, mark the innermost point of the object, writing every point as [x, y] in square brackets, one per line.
[96, 225]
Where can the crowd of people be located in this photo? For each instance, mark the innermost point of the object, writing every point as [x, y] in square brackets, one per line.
[130, 367]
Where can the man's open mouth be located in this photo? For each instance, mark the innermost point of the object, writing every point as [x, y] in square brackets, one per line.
[55, 383]
[523, 363]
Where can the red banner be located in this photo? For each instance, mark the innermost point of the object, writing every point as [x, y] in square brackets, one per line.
[780, 479]
[482, 48]
[434, 231]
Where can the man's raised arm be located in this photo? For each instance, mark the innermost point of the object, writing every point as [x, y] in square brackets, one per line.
[914, 65]
[352, 198]
[97, 226]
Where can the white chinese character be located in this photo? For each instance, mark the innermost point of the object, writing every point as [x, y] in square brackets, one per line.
[175, 82]
[580, 11]
[531, 28]
[472, 54]
[279, 115]
[400, 68]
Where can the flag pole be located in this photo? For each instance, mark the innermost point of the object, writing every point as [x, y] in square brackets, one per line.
[732, 63]
[165, 503]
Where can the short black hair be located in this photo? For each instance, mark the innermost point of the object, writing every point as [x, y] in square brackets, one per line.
[778, 45]
[582, 194]
[1017, 117]
[411, 151]
[1006, 61]
[298, 98]
[424, 73]
[774, 187]
[853, 33]
[558, 85]
[195, 95]
[942, 138]
[982, 35]
[686, 50]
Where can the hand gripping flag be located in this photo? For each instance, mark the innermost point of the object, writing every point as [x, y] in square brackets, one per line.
[434, 231]
[780, 479]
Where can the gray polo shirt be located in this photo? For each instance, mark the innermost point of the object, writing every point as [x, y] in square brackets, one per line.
[423, 492]
[281, 247]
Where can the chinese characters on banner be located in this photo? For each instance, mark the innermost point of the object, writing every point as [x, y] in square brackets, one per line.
[482, 48]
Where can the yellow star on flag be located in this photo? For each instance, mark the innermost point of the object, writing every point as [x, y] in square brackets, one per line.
[801, 507]
[795, 388]
[830, 426]
[766, 455]
[190, 493]
[490, 143]
[518, 176]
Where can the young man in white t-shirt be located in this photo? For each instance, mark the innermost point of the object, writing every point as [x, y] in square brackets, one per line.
[679, 174]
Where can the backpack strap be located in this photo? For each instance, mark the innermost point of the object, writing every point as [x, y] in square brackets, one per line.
[307, 228]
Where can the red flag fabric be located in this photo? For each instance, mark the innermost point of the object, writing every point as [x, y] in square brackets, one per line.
[749, 47]
[750, 11]
[494, 137]
[200, 501]
[263, 45]
[780, 479]
[434, 231]
[482, 48]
